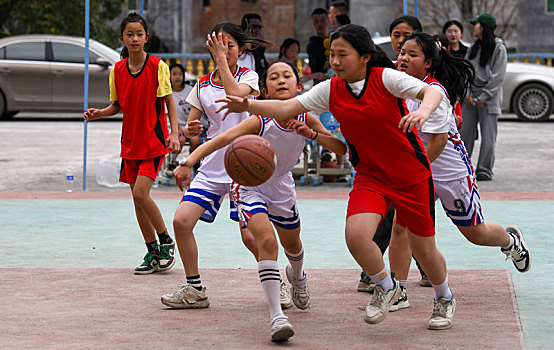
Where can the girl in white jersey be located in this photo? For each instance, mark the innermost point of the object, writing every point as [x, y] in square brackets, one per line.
[453, 173]
[274, 202]
[203, 198]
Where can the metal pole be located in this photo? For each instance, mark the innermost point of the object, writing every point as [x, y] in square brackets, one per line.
[405, 7]
[141, 7]
[416, 10]
[85, 99]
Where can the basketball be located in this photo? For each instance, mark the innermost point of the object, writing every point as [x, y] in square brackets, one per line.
[329, 164]
[250, 160]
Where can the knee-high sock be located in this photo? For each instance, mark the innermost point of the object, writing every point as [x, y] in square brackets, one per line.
[268, 270]
[296, 262]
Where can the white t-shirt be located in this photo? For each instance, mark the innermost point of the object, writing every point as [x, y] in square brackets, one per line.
[247, 60]
[453, 163]
[183, 107]
[398, 83]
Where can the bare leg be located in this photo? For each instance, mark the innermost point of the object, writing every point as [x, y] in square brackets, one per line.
[486, 234]
[185, 219]
[400, 254]
[148, 214]
[429, 257]
[359, 232]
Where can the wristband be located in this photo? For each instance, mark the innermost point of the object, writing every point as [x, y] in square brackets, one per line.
[316, 134]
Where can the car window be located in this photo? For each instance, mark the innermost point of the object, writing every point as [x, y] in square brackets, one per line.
[388, 50]
[31, 51]
[71, 53]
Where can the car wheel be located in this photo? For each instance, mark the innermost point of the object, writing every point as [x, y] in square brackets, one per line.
[533, 102]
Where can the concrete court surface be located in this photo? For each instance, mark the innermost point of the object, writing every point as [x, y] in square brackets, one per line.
[82, 246]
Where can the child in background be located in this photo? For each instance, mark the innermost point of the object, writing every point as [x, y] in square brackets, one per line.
[367, 100]
[139, 87]
[453, 173]
[273, 203]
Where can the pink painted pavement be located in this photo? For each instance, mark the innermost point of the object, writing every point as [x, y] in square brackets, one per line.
[114, 309]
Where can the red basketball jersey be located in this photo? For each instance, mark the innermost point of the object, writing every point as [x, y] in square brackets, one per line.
[144, 128]
[369, 122]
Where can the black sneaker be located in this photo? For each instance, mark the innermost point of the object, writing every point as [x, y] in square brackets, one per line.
[402, 302]
[518, 252]
[150, 264]
[365, 284]
[167, 256]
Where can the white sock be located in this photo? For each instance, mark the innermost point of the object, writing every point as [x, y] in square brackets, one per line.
[442, 290]
[383, 279]
[511, 242]
[268, 270]
[296, 262]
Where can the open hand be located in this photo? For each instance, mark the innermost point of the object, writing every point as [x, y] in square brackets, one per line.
[233, 104]
[217, 45]
[193, 128]
[416, 118]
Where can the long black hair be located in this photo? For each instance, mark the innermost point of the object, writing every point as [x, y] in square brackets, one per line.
[241, 36]
[361, 41]
[486, 44]
[131, 18]
[454, 73]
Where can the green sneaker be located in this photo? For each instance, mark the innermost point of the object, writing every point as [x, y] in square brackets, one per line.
[167, 256]
[365, 284]
[150, 264]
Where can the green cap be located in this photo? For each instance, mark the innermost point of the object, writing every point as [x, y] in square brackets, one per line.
[486, 19]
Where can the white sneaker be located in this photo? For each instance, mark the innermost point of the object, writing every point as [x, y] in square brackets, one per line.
[402, 302]
[519, 253]
[443, 311]
[186, 297]
[300, 291]
[281, 329]
[379, 306]
[285, 297]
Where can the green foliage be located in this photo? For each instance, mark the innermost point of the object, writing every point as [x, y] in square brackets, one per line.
[65, 17]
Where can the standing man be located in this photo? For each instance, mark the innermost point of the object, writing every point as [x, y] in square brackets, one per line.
[337, 8]
[318, 61]
[252, 22]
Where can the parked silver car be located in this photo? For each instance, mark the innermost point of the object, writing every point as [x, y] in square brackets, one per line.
[46, 72]
[528, 90]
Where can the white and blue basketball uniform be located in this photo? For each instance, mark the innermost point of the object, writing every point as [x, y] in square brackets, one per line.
[277, 196]
[453, 172]
[211, 182]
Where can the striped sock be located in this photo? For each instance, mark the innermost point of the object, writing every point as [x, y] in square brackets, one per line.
[297, 262]
[268, 270]
[195, 282]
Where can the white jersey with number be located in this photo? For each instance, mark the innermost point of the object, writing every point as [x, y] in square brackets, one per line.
[203, 97]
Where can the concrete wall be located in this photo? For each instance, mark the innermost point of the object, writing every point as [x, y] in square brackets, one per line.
[535, 27]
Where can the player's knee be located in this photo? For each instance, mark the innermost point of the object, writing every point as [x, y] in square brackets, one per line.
[268, 243]
[182, 223]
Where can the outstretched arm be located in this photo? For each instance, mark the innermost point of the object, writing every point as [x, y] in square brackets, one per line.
[430, 100]
[94, 113]
[281, 110]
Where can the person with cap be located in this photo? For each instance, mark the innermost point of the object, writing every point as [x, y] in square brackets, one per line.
[482, 105]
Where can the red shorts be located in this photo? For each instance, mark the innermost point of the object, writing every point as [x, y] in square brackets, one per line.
[131, 168]
[415, 205]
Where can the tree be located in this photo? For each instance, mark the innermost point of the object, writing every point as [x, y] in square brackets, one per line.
[65, 17]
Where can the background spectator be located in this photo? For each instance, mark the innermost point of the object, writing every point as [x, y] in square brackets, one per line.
[253, 23]
[318, 62]
[454, 31]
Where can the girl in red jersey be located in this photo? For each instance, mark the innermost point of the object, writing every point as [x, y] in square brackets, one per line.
[139, 87]
[389, 158]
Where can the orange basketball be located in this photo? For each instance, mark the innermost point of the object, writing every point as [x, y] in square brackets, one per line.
[250, 160]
